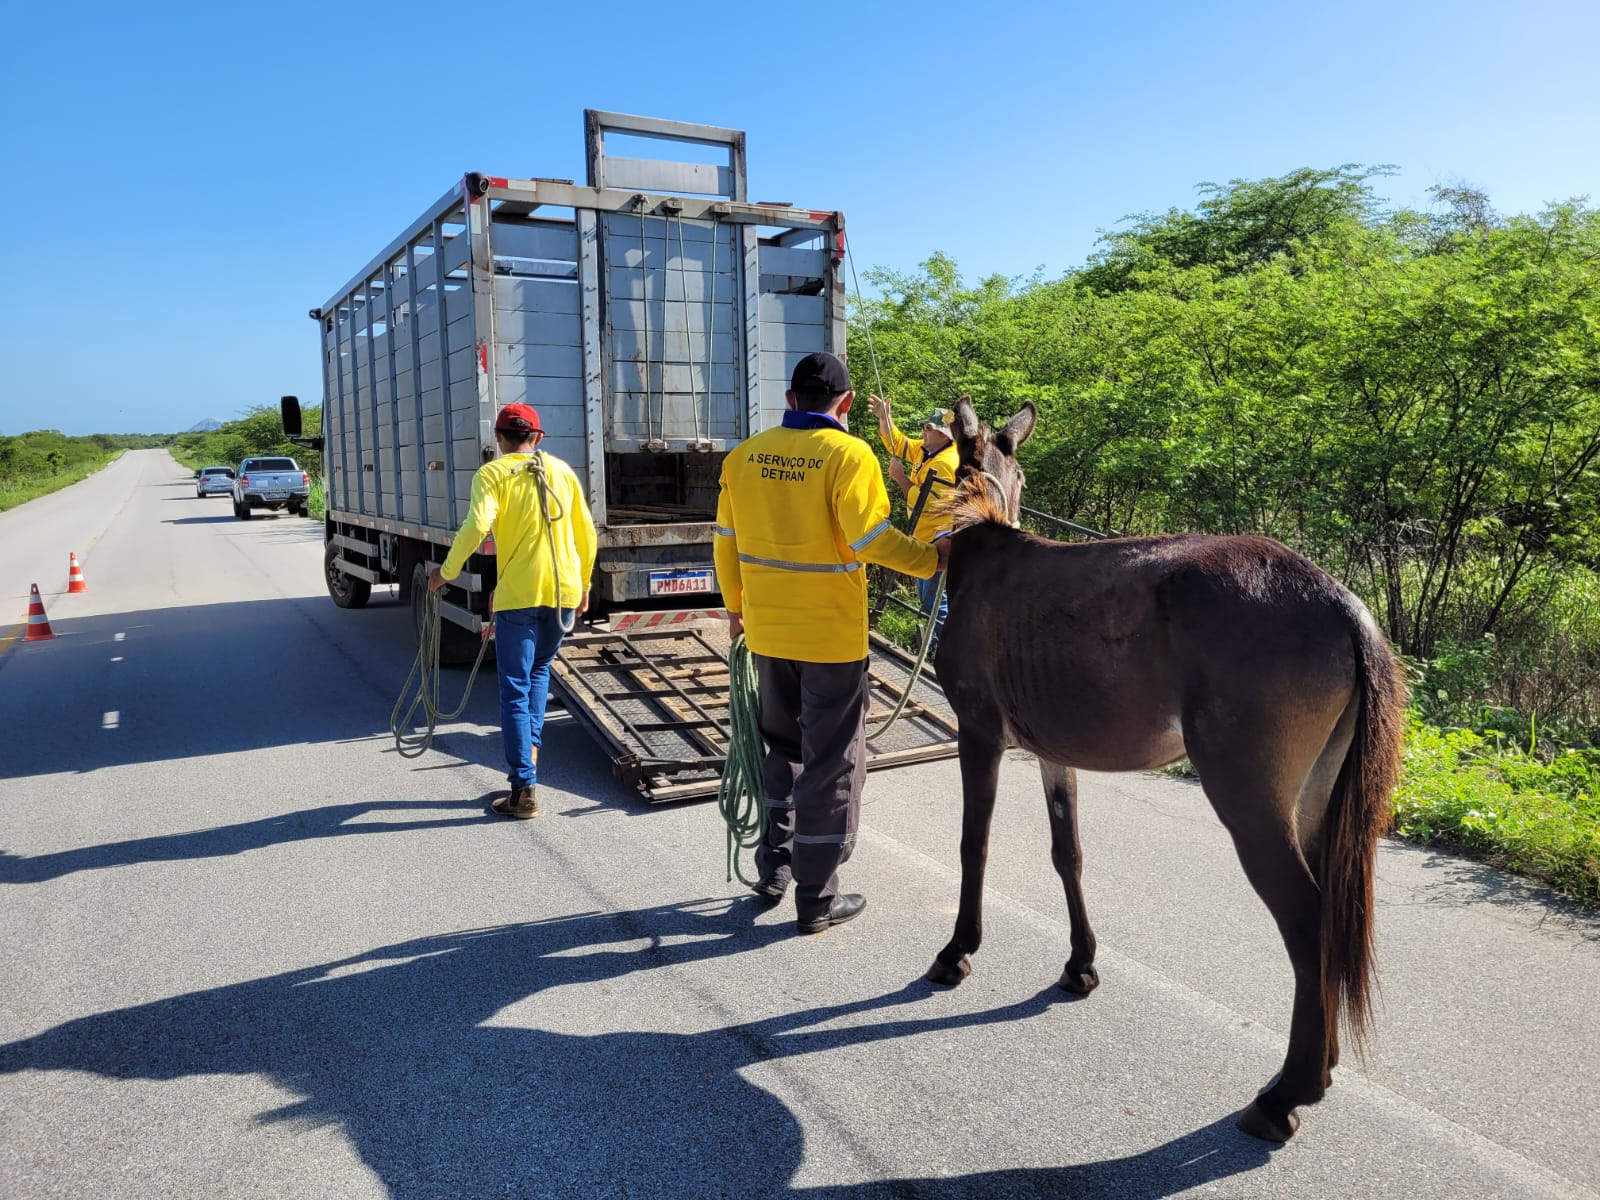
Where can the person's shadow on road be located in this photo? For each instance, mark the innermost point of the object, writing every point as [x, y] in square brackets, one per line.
[430, 1057]
[334, 820]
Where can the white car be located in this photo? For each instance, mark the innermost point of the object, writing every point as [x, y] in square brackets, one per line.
[212, 481]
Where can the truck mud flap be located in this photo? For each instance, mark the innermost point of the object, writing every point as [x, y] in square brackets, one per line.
[654, 692]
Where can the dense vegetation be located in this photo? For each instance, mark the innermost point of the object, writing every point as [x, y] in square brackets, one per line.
[1411, 399]
[32, 464]
[258, 432]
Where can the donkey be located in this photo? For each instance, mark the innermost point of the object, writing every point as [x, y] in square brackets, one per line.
[1129, 654]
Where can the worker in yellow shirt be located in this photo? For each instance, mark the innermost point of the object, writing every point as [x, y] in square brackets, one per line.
[925, 471]
[802, 508]
[543, 563]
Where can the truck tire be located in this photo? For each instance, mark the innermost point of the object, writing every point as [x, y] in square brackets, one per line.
[457, 646]
[241, 509]
[347, 591]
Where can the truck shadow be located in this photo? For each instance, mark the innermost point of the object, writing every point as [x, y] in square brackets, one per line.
[207, 680]
[466, 1064]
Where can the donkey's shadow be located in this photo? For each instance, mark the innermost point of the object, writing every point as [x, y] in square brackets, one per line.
[399, 1047]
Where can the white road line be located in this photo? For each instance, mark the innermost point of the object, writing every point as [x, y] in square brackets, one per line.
[111, 719]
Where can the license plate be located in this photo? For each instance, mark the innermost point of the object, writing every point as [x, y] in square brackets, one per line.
[681, 583]
[277, 495]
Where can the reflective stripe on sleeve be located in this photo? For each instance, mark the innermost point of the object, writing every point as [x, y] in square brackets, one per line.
[782, 565]
[721, 532]
[822, 839]
[867, 537]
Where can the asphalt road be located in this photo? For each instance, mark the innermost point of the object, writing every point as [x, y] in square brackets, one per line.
[249, 951]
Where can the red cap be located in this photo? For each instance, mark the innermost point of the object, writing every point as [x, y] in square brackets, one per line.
[519, 419]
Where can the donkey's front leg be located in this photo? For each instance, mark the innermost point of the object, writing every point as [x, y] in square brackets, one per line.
[980, 773]
[1066, 852]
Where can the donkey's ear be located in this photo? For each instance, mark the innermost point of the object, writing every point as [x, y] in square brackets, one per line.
[966, 419]
[1019, 429]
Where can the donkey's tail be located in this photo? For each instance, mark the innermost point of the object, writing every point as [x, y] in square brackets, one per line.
[1358, 814]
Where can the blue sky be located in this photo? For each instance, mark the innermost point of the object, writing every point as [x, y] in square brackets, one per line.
[182, 182]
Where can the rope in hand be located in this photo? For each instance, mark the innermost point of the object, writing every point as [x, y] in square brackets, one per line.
[409, 742]
[740, 797]
[425, 669]
[916, 670]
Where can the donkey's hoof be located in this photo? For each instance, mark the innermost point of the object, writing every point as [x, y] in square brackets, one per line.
[948, 973]
[1260, 1122]
[1079, 982]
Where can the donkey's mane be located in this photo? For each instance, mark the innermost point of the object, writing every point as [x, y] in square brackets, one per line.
[971, 503]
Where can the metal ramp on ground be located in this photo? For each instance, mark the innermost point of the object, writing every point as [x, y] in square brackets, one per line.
[653, 689]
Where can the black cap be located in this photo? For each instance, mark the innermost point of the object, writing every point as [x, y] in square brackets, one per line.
[820, 372]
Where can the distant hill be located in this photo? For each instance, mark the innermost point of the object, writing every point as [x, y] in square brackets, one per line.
[205, 426]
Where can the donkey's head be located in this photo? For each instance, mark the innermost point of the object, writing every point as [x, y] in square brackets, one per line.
[989, 473]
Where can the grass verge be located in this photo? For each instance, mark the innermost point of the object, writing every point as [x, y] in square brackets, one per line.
[20, 493]
[1504, 804]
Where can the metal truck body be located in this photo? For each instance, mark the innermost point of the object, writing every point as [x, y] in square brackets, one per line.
[652, 317]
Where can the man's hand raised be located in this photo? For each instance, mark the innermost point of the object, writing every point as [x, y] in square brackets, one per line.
[880, 410]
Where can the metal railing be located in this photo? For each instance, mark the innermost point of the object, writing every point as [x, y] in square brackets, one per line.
[1063, 523]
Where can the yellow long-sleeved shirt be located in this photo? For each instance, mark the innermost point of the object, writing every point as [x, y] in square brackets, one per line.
[802, 508]
[920, 465]
[505, 500]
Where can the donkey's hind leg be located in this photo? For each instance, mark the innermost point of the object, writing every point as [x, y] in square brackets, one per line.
[980, 775]
[1259, 815]
[1066, 852]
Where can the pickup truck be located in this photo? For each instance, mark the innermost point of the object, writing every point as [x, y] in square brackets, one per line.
[270, 483]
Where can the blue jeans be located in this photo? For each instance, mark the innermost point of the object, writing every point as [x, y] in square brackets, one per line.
[925, 594]
[526, 639]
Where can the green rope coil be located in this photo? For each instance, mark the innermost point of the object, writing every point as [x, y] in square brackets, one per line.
[740, 798]
[425, 670]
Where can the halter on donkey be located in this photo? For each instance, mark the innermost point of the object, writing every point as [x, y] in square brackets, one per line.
[1271, 676]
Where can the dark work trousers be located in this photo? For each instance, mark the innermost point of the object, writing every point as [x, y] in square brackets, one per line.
[814, 721]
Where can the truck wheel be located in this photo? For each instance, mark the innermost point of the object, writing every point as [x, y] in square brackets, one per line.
[241, 509]
[347, 591]
[457, 646]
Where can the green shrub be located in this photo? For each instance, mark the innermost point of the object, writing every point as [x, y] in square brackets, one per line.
[1503, 803]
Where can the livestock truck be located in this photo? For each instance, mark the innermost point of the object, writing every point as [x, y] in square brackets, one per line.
[652, 316]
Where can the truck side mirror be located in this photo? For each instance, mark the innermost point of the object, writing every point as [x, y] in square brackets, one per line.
[290, 407]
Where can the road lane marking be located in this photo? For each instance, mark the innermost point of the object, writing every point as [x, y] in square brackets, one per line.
[111, 719]
[117, 637]
[116, 658]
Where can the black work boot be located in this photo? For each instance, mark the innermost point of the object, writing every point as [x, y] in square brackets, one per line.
[523, 804]
[844, 908]
[772, 889]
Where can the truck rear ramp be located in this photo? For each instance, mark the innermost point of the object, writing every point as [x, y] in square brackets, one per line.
[653, 689]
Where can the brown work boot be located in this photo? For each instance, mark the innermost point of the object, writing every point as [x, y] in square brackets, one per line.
[523, 804]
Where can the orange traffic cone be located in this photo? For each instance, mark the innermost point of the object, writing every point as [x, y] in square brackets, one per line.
[38, 624]
[75, 581]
